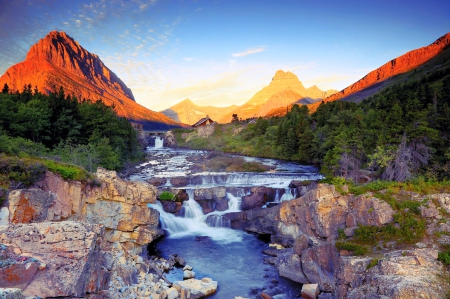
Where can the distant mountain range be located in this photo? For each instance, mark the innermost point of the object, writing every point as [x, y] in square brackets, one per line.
[58, 60]
[189, 113]
[284, 90]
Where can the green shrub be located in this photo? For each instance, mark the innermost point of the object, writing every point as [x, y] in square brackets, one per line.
[372, 264]
[356, 249]
[444, 256]
[67, 171]
[165, 195]
[341, 233]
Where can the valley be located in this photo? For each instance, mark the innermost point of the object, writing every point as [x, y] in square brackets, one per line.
[297, 193]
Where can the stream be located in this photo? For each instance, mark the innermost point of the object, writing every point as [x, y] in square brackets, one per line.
[234, 258]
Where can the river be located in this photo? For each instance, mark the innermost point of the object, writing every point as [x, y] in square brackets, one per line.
[234, 258]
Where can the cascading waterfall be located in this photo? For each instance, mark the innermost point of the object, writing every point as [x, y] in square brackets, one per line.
[159, 142]
[289, 194]
[195, 223]
[279, 180]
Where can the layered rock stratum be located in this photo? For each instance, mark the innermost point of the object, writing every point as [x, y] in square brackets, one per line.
[58, 60]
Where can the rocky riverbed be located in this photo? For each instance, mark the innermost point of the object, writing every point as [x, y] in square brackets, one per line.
[75, 240]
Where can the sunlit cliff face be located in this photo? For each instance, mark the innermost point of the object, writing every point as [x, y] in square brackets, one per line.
[58, 60]
[399, 65]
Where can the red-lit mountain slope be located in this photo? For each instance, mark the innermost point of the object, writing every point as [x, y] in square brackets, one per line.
[58, 60]
[380, 78]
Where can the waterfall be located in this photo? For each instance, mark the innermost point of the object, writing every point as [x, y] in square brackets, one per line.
[159, 142]
[288, 195]
[278, 180]
[195, 223]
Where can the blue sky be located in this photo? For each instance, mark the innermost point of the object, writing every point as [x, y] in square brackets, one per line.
[222, 52]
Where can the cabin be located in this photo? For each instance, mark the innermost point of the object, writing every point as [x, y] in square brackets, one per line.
[206, 121]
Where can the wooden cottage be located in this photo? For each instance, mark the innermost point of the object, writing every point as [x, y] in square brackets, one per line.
[206, 121]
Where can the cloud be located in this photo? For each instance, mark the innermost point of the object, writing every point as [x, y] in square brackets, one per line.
[198, 9]
[249, 52]
[188, 59]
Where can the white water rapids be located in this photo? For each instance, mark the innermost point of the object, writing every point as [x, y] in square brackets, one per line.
[195, 223]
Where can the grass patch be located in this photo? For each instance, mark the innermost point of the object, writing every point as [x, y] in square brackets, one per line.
[355, 249]
[68, 171]
[444, 256]
[166, 196]
[372, 264]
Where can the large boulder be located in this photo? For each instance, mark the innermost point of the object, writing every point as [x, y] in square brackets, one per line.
[194, 288]
[259, 197]
[399, 274]
[65, 257]
[211, 199]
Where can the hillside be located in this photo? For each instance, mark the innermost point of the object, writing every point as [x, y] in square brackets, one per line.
[58, 60]
[390, 73]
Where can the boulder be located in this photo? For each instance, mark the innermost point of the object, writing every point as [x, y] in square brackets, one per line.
[290, 267]
[399, 274]
[71, 254]
[157, 181]
[188, 274]
[179, 181]
[211, 199]
[310, 291]
[195, 288]
[259, 197]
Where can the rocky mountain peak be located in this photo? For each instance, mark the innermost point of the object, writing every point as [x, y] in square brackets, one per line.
[58, 60]
[282, 77]
[63, 51]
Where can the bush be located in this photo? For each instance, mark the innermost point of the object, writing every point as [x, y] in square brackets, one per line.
[354, 248]
[372, 264]
[67, 171]
[444, 256]
[165, 195]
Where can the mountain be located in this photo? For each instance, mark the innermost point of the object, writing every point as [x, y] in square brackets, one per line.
[284, 90]
[189, 113]
[390, 72]
[58, 60]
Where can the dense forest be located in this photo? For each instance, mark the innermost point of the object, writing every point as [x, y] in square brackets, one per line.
[59, 127]
[399, 133]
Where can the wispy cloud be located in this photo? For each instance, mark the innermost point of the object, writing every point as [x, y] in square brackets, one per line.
[249, 52]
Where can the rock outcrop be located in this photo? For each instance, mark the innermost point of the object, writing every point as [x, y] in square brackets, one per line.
[307, 228]
[120, 206]
[401, 274]
[58, 60]
[76, 240]
[54, 259]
